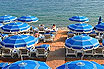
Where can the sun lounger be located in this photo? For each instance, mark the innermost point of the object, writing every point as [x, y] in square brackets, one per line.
[15, 53]
[32, 52]
[46, 46]
[41, 30]
[99, 51]
[54, 32]
[42, 50]
[6, 52]
[89, 52]
[70, 34]
[69, 51]
[0, 51]
[48, 37]
[92, 34]
[24, 52]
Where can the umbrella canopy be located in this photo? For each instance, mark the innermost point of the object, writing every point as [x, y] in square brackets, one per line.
[1, 25]
[80, 27]
[103, 42]
[82, 42]
[35, 28]
[7, 18]
[81, 64]
[3, 65]
[79, 19]
[28, 64]
[3, 35]
[18, 41]
[100, 20]
[0, 39]
[15, 27]
[99, 27]
[28, 19]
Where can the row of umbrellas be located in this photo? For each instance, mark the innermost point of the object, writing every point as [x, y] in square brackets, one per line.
[8, 18]
[78, 27]
[83, 27]
[31, 64]
[83, 42]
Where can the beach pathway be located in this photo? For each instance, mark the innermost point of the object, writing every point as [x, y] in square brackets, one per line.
[56, 55]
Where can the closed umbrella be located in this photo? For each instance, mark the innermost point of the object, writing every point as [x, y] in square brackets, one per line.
[100, 20]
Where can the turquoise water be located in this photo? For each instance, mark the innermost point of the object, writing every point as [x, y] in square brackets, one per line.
[54, 11]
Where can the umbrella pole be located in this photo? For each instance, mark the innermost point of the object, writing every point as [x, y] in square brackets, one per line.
[82, 56]
[21, 57]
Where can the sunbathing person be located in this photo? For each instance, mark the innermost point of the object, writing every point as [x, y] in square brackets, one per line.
[54, 27]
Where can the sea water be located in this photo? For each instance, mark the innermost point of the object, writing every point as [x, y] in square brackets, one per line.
[54, 11]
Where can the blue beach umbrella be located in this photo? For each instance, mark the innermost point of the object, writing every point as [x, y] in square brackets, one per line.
[99, 27]
[7, 19]
[29, 19]
[18, 41]
[79, 19]
[2, 65]
[1, 25]
[80, 27]
[82, 42]
[3, 35]
[100, 20]
[35, 28]
[15, 27]
[28, 64]
[80, 64]
[103, 42]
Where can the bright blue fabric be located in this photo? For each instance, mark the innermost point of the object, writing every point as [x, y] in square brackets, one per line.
[28, 19]
[82, 42]
[28, 64]
[46, 46]
[19, 41]
[99, 27]
[79, 19]
[80, 27]
[81, 64]
[3, 65]
[7, 18]
[15, 27]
